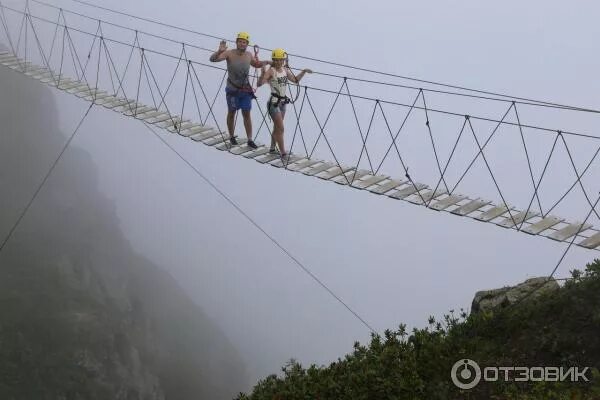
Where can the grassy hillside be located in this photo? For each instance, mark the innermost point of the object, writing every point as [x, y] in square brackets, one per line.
[556, 329]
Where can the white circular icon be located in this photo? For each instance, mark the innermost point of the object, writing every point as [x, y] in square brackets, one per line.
[465, 374]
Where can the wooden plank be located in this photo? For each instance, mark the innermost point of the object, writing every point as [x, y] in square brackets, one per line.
[364, 183]
[206, 134]
[49, 79]
[314, 170]
[241, 150]
[91, 92]
[18, 65]
[542, 225]
[517, 219]
[15, 62]
[42, 75]
[287, 161]
[139, 111]
[182, 127]
[87, 92]
[350, 176]
[353, 175]
[114, 104]
[9, 60]
[303, 164]
[226, 145]
[407, 191]
[267, 158]
[426, 197]
[98, 96]
[150, 115]
[174, 120]
[447, 202]
[95, 92]
[159, 118]
[108, 102]
[218, 138]
[127, 106]
[24, 66]
[197, 130]
[70, 85]
[332, 173]
[36, 71]
[256, 152]
[592, 242]
[58, 82]
[80, 86]
[67, 84]
[470, 207]
[568, 231]
[386, 187]
[492, 213]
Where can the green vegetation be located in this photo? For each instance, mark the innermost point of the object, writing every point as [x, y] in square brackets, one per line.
[556, 329]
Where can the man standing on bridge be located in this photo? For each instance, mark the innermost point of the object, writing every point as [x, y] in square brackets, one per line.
[238, 92]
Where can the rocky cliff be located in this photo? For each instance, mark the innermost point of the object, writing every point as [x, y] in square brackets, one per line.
[82, 316]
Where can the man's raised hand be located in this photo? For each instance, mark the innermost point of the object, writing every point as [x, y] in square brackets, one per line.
[222, 46]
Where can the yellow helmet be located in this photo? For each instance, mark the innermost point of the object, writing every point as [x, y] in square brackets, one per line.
[279, 54]
[244, 35]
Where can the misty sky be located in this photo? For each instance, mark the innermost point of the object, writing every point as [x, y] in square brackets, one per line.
[391, 261]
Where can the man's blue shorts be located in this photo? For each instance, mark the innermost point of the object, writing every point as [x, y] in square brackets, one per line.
[238, 99]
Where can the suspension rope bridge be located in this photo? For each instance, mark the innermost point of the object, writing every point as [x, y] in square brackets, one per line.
[128, 77]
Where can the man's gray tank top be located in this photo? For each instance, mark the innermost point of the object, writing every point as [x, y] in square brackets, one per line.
[237, 73]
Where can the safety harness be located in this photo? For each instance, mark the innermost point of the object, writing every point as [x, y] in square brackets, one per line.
[246, 89]
[280, 99]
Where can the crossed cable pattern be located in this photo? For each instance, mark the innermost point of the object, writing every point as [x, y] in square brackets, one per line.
[180, 93]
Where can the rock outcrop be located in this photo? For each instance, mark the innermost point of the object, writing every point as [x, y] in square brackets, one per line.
[487, 300]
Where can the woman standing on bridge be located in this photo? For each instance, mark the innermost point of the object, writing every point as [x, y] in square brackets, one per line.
[278, 76]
